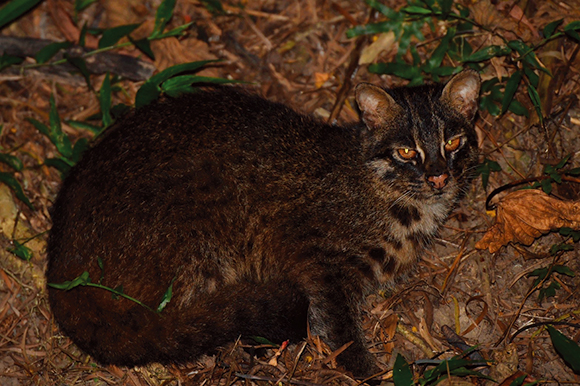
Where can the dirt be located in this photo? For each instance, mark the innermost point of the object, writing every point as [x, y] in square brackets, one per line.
[298, 53]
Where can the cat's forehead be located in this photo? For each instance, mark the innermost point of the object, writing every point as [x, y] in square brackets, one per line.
[424, 117]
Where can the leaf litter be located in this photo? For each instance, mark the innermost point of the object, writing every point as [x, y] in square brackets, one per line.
[298, 53]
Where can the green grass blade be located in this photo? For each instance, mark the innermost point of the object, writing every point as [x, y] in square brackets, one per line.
[162, 16]
[12, 161]
[21, 250]
[105, 101]
[150, 90]
[81, 280]
[13, 184]
[15, 9]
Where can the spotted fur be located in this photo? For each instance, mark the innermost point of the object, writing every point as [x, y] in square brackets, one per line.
[261, 217]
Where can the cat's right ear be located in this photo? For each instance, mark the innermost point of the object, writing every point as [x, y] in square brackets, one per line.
[377, 107]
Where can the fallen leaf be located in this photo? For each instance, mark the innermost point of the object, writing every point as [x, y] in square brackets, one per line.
[524, 215]
[384, 42]
[320, 78]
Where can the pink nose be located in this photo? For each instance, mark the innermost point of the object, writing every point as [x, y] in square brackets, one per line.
[438, 182]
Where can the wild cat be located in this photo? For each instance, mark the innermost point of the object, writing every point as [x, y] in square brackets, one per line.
[260, 218]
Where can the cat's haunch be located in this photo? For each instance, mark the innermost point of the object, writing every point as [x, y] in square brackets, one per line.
[260, 218]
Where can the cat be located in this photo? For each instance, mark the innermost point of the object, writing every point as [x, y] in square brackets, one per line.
[261, 220]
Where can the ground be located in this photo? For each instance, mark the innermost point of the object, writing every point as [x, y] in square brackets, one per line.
[299, 53]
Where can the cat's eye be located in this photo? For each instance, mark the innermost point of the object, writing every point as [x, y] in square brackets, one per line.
[452, 144]
[407, 153]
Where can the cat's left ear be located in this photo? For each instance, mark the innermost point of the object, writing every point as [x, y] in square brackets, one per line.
[462, 92]
[377, 107]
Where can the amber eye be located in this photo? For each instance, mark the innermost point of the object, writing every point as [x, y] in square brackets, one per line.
[407, 153]
[452, 144]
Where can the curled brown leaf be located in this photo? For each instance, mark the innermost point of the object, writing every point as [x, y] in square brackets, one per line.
[525, 215]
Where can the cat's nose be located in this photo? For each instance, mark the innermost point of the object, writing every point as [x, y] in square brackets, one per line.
[438, 182]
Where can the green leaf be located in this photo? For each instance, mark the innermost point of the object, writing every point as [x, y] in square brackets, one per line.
[80, 64]
[487, 53]
[112, 35]
[560, 248]
[82, 4]
[144, 46]
[510, 90]
[84, 126]
[15, 9]
[105, 101]
[81, 280]
[415, 10]
[517, 108]
[388, 12]
[519, 380]
[439, 53]
[532, 76]
[162, 16]
[8, 60]
[567, 348]
[174, 32]
[535, 98]
[563, 162]
[79, 148]
[569, 232]
[50, 50]
[371, 29]
[12, 161]
[166, 297]
[262, 340]
[150, 90]
[182, 84]
[528, 55]
[56, 135]
[485, 168]
[546, 186]
[13, 184]
[575, 25]
[442, 369]
[214, 6]
[60, 164]
[21, 251]
[402, 70]
[571, 29]
[551, 28]
[83, 35]
[402, 374]
[563, 270]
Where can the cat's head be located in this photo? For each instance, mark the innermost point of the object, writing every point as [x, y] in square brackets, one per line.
[422, 138]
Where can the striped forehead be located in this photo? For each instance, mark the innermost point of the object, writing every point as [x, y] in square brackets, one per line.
[422, 115]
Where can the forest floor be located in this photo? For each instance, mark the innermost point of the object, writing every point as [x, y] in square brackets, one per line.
[298, 53]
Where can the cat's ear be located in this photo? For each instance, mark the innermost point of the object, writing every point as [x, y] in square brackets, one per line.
[376, 105]
[461, 93]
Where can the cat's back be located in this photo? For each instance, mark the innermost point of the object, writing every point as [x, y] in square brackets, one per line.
[199, 167]
[240, 128]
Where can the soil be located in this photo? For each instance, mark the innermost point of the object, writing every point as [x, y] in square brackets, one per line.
[298, 53]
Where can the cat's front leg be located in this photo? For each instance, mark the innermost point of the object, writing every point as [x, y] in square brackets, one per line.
[334, 314]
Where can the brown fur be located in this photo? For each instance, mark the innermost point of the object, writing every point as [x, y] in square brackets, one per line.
[261, 217]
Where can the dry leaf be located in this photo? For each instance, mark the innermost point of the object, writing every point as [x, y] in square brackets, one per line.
[524, 215]
[320, 78]
[384, 42]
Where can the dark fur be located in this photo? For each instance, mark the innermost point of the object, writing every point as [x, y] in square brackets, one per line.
[263, 217]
